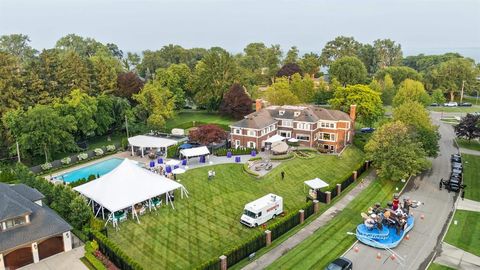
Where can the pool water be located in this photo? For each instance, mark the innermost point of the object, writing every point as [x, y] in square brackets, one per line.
[99, 168]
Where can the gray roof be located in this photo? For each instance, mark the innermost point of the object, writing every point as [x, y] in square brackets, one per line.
[44, 222]
[30, 193]
[11, 208]
[309, 113]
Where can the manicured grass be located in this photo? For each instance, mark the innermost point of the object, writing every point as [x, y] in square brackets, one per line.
[332, 240]
[473, 144]
[471, 169]
[206, 224]
[466, 234]
[474, 108]
[185, 120]
[435, 266]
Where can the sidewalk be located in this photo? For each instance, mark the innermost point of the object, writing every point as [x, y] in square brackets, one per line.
[468, 205]
[469, 151]
[308, 230]
[457, 258]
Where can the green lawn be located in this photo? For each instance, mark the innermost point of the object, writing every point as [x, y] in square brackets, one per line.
[187, 119]
[207, 224]
[471, 178]
[435, 266]
[332, 240]
[466, 234]
[473, 144]
[474, 108]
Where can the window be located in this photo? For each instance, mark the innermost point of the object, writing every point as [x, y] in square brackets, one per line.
[15, 222]
[281, 112]
[302, 137]
[322, 124]
[327, 137]
[259, 214]
[303, 126]
[286, 123]
[286, 134]
[296, 114]
[251, 133]
[237, 143]
[327, 125]
[236, 131]
[332, 125]
[250, 144]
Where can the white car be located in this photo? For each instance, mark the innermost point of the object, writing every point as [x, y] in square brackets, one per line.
[451, 104]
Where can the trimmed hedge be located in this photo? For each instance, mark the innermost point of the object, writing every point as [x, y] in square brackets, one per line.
[250, 172]
[284, 225]
[172, 151]
[282, 157]
[242, 251]
[96, 263]
[113, 252]
[190, 124]
[235, 151]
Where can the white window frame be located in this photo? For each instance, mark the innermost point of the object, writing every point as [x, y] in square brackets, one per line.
[237, 143]
[249, 143]
[327, 124]
[251, 131]
[237, 131]
[303, 140]
[321, 137]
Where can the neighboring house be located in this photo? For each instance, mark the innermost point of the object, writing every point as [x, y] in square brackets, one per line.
[312, 126]
[29, 231]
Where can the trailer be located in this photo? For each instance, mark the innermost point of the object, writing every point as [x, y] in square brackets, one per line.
[262, 210]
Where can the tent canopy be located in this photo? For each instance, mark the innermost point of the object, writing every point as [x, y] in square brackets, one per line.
[150, 141]
[125, 186]
[280, 147]
[275, 138]
[316, 183]
[195, 152]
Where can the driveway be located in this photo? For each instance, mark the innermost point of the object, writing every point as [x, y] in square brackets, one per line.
[425, 237]
[63, 261]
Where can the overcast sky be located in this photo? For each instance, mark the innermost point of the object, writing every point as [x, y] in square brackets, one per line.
[134, 25]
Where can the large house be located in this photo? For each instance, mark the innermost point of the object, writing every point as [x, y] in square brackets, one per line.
[312, 126]
[29, 231]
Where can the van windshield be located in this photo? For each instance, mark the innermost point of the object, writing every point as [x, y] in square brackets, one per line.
[248, 213]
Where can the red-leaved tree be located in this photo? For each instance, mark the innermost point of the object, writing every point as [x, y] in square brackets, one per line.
[128, 84]
[236, 102]
[207, 134]
[288, 70]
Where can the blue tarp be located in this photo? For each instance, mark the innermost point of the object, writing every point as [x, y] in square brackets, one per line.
[386, 238]
[185, 146]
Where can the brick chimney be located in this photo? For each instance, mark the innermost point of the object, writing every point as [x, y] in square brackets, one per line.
[258, 104]
[353, 111]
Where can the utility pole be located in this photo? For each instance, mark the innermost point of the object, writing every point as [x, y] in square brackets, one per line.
[126, 125]
[461, 93]
[18, 153]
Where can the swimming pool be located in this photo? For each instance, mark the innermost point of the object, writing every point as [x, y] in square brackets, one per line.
[99, 168]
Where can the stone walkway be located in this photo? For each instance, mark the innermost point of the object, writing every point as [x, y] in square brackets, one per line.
[310, 229]
[469, 205]
[469, 151]
[457, 258]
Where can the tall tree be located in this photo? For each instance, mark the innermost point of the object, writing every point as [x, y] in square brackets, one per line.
[207, 134]
[417, 118]
[255, 56]
[348, 70]
[17, 45]
[104, 116]
[176, 78]
[310, 64]
[292, 56]
[83, 109]
[369, 105]
[303, 88]
[454, 74]
[236, 102]
[52, 132]
[155, 105]
[438, 96]
[387, 53]
[12, 94]
[72, 73]
[131, 61]
[279, 93]
[104, 70]
[469, 127]
[411, 90]
[84, 47]
[272, 61]
[394, 160]
[288, 70]
[128, 84]
[212, 77]
[340, 47]
[366, 53]
[398, 74]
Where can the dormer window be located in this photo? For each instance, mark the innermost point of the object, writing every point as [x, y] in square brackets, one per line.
[14, 222]
[296, 114]
[281, 112]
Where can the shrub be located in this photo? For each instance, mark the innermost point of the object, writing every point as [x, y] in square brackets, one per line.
[124, 143]
[82, 156]
[110, 148]
[46, 166]
[235, 151]
[255, 158]
[172, 151]
[247, 170]
[282, 157]
[98, 151]
[66, 161]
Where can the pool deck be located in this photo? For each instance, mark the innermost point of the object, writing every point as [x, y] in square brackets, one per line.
[192, 164]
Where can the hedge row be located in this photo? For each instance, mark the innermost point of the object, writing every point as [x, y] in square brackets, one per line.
[282, 157]
[248, 171]
[113, 252]
[190, 124]
[235, 151]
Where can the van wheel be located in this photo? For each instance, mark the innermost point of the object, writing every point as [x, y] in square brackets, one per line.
[274, 216]
[256, 225]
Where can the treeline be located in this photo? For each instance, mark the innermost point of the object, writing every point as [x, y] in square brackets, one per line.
[82, 88]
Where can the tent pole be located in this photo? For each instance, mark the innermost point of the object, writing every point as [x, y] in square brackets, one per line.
[93, 207]
[98, 211]
[133, 212]
[142, 153]
[132, 151]
[109, 217]
[103, 213]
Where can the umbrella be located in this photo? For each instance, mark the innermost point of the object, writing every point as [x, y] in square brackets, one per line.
[178, 171]
[173, 162]
[185, 146]
[293, 140]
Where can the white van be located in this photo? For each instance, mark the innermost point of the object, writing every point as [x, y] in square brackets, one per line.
[262, 210]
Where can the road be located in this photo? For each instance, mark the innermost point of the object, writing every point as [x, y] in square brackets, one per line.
[426, 235]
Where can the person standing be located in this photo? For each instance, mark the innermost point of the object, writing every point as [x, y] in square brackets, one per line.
[282, 174]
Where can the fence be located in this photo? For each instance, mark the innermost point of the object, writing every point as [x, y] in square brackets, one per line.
[244, 250]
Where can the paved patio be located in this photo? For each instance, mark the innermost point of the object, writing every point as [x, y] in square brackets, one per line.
[63, 261]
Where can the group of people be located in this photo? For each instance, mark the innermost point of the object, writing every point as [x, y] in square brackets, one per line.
[394, 215]
[211, 174]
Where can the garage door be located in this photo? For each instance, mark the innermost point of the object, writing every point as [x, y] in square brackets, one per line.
[50, 247]
[18, 258]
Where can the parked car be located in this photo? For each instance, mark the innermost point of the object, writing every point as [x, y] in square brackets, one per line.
[451, 104]
[367, 130]
[465, 104]
[434, 104]
[341, 263]
[456, 158]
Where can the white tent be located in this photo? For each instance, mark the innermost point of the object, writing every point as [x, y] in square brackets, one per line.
[127, 185]
[316, 183]
[275, 138]
[195, 152]
[144, 141]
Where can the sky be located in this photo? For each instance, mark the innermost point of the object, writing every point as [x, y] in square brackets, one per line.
[429, 26]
